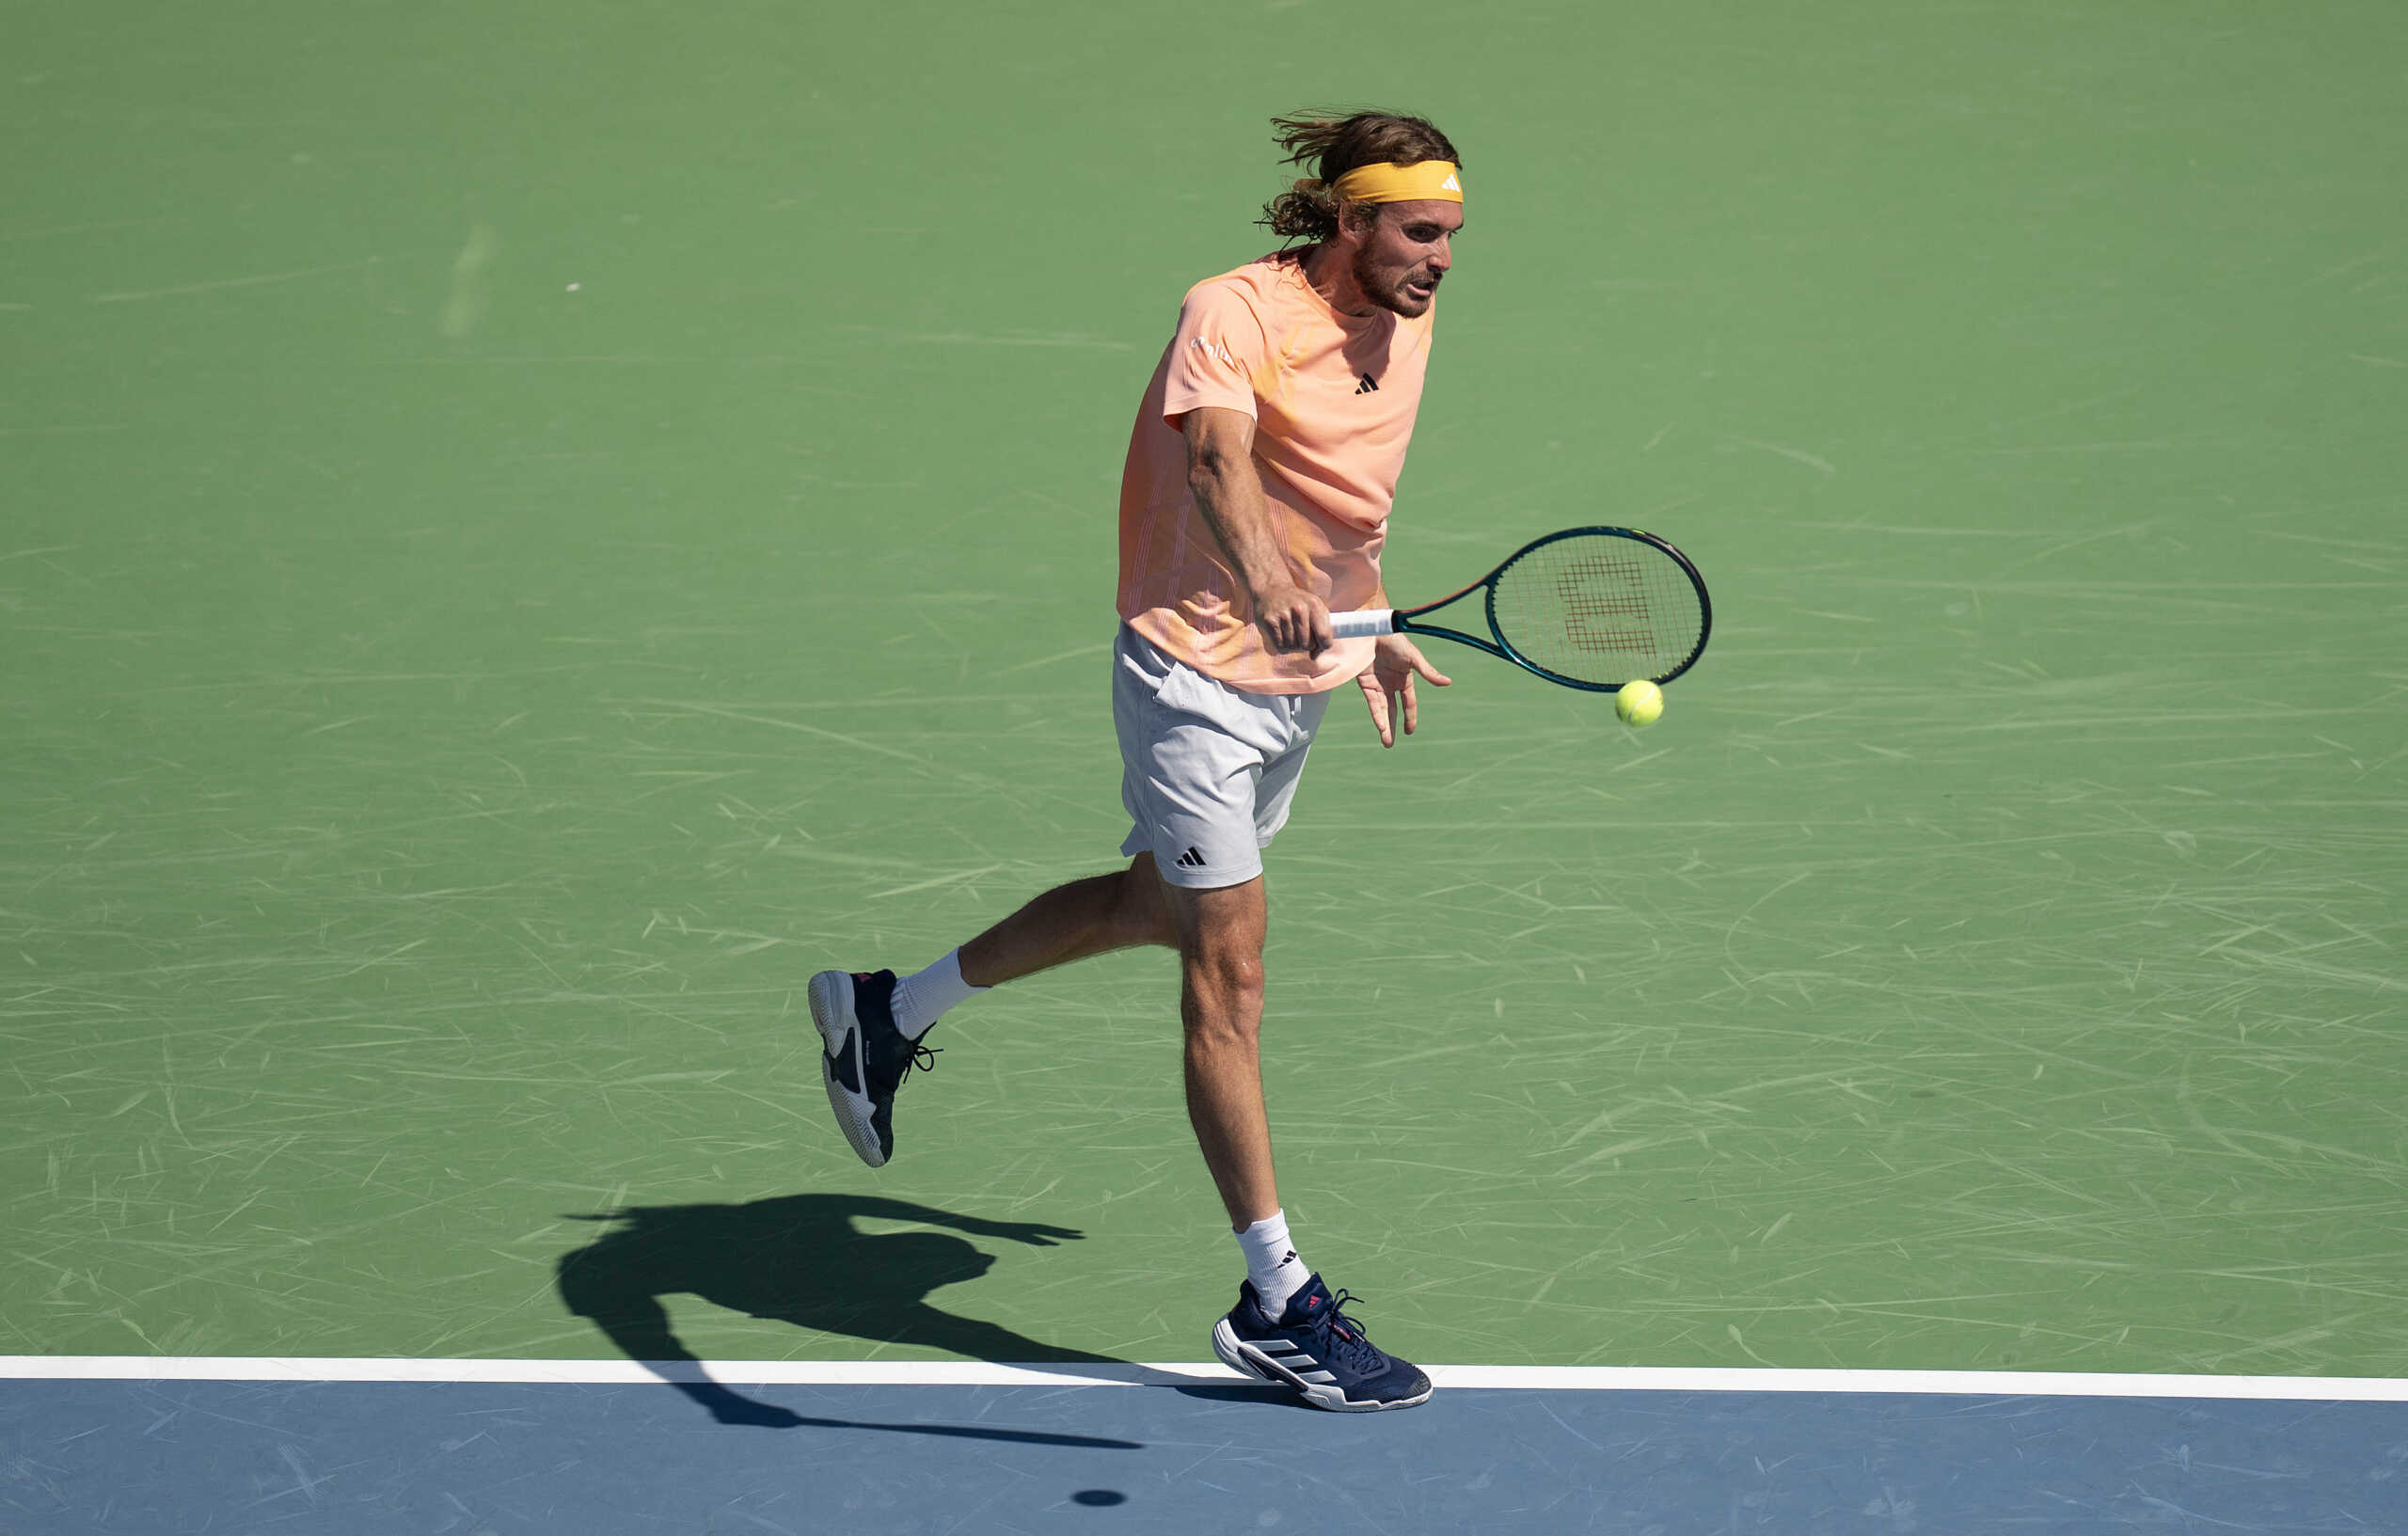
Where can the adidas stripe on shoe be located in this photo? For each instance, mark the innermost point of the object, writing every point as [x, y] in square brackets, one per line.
[1317, 1350]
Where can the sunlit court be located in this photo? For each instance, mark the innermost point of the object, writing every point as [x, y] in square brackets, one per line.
[545, 549]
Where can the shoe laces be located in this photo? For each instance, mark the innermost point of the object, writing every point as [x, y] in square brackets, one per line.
[895, 1063]
[1356, 1352]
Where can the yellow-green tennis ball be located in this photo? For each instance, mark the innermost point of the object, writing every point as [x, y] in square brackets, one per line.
[1638, 704]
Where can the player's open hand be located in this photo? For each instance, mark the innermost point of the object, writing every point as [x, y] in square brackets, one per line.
[1388, 686]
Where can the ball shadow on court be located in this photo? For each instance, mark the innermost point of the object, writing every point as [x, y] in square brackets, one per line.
[801, 1259]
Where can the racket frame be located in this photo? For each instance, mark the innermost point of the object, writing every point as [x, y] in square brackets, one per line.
[1407, 621]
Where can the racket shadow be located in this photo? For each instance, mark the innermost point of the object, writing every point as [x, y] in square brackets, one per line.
[801, 1259]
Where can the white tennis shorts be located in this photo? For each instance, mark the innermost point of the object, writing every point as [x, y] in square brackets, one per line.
[1206, 771]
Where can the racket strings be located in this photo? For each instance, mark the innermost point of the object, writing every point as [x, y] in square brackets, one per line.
[1599, 608]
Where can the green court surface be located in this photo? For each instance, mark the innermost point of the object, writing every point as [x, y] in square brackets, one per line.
[526, 529]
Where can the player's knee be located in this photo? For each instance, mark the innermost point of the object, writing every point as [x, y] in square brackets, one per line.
[1229, 979]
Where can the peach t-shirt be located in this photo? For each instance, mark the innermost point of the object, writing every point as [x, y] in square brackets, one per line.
[1333, 399]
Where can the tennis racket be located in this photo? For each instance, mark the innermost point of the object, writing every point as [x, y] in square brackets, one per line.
[1589, 608]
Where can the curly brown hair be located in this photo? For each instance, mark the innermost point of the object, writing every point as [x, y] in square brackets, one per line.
[1335, 144]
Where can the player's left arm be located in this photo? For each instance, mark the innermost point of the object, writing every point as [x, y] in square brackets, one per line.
[1387, 682]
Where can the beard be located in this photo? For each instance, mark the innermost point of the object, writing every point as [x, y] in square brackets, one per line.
[1384, 286]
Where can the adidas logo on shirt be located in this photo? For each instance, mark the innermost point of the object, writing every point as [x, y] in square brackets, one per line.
[1368, 386]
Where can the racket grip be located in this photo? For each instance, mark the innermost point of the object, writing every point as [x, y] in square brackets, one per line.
[1362, 621]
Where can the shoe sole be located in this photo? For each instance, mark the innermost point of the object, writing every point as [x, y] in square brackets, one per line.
[840, 1030]
[1246, 1361]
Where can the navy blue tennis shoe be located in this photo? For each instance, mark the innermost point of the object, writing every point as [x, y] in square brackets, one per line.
[1317, 1349]
[864, 1057]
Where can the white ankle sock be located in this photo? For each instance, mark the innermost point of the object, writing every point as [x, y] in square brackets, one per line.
[1271, 1262]
[921, 999]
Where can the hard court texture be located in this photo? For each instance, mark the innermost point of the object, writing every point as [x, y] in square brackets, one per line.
[355, 1460]
[526, 529]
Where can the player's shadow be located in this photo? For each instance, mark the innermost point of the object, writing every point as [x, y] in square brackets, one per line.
[799, 1258]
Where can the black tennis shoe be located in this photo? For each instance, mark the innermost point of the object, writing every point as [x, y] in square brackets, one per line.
[1317, 1349]
[864, 1057]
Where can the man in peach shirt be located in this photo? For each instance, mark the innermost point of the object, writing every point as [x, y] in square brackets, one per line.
[1254, 503]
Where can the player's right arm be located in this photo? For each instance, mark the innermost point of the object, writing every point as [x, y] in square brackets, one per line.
[1229, 493]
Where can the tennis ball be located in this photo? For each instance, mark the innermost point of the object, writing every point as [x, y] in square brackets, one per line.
[1639, 703]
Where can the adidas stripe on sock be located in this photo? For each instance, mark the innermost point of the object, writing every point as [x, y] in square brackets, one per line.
[921, 999]
[1271, 1262]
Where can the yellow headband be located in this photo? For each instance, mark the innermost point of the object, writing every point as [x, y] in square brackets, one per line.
[1433, 180]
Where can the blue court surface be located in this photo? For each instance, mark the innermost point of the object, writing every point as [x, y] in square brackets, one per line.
[1180, 1451]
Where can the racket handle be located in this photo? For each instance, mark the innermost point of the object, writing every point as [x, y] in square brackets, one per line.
[1362, 621]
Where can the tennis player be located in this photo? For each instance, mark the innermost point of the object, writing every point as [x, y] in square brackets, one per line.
[1255, 501]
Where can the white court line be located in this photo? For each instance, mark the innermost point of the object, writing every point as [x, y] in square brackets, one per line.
[1989, 1383]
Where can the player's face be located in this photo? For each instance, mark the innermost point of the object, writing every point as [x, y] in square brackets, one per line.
[1405, 254]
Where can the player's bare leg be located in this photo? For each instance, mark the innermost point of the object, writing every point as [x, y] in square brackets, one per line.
[872, 1026]
[1092, 916]
[1219, 936]
[1287, 1327]
[1220, 1009]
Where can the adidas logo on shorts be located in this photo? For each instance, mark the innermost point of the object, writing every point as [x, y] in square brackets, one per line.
[1190, 860]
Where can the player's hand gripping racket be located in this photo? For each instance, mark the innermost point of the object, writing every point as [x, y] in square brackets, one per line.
[1589, 608]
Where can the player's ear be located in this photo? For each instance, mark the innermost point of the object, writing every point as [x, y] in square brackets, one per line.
[1344, 237]
[1356, 221]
